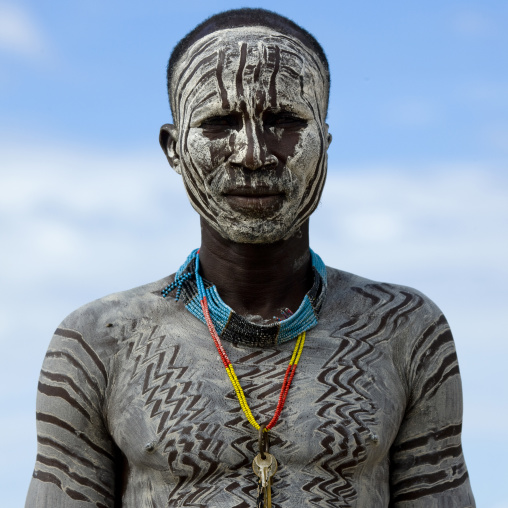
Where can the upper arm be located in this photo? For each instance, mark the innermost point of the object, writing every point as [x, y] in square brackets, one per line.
[75, 454]
[427, 464]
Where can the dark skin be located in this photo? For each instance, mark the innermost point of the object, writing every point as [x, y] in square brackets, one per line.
[253, 279]
[257, 279]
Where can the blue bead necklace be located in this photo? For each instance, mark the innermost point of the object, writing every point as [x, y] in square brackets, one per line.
[191, 288]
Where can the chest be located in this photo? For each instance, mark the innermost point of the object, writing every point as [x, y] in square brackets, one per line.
[171, 406]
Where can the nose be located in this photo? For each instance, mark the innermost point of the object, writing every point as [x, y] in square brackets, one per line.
[250, 149]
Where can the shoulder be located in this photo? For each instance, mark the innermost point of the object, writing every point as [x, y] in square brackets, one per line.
[408, 321]
[116, 307]
[360, 294]
[96, 329]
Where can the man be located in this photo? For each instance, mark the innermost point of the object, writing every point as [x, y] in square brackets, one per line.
[139, 404]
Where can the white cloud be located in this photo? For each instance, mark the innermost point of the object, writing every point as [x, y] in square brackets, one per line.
[373, 226]
[68, 214]
[436, 215]
[19, 32]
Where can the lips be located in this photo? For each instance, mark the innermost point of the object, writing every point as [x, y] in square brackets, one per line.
[257, 200]
[258, 191]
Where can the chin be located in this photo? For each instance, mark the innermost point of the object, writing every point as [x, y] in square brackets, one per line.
[255, 231]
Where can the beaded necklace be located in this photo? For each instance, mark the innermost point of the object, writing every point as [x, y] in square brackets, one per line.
[235, 328]
[203, 301]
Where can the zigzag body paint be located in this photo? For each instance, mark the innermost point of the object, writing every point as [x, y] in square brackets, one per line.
[133, 405]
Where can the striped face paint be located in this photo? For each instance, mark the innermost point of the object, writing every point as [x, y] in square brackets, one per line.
[249, 106]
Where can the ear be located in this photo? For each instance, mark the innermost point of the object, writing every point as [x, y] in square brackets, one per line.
[328, 136]
[168, 139]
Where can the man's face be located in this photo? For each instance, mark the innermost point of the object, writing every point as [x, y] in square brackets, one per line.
[250, 107]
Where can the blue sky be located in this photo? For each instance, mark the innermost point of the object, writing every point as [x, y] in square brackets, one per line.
[417, 191]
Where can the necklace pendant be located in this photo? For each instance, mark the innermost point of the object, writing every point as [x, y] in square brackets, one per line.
[264, 468]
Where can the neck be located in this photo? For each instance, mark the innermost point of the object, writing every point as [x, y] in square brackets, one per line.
[257, 279]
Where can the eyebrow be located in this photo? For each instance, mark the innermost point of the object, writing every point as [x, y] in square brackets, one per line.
[207, 110]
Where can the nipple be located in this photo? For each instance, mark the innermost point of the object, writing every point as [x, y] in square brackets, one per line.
[373, 437]
[150, 447]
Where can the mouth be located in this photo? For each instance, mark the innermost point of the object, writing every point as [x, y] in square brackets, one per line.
[255, 200]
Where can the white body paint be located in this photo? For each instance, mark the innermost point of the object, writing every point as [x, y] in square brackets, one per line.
[250, 71]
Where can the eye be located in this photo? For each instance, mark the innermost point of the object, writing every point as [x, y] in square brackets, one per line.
[220, 122]
[284, 120]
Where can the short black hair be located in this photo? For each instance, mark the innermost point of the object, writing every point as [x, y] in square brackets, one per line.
[245, 17]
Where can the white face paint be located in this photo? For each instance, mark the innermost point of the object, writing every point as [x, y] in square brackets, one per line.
[250, 106]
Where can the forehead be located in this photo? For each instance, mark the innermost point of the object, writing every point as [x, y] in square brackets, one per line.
[236, 59]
